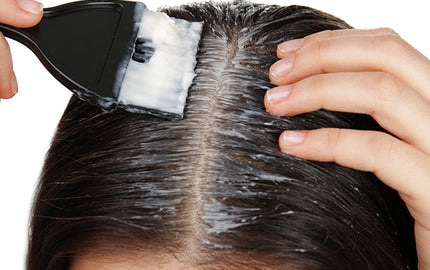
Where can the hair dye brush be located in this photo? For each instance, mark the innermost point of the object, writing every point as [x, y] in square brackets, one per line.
[117, 54]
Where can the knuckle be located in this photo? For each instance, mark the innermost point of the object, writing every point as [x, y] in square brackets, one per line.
[315, 51]
[312, 83]
[319, 36]
[327, 34]
[388, 31]
[333, 137]
[379, 145]
[320, 49]
[391, 44]
[388, 87]
[316, 88]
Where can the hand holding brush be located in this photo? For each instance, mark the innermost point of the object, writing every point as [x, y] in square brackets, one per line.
[18, 13]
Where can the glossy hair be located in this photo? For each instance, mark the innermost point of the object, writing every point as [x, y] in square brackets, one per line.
[214, 188]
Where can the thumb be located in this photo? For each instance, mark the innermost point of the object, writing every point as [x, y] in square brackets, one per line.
[20, 13]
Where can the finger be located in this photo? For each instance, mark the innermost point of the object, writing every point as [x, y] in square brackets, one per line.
[387, 53]
[8, 85]
[20, 13]
[395, 106]
[292, 46]
[397, 164]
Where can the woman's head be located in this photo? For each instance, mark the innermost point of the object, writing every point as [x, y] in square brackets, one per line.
[212, 191]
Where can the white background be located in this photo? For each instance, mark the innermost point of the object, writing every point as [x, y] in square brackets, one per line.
[28, 121]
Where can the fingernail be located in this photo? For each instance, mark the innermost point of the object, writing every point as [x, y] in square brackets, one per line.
[291, 46]
[30, 5]
[278, 94]
[293, 137]
[282, 67]
[13, 83]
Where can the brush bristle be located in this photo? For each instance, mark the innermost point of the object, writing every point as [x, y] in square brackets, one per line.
[162, 66]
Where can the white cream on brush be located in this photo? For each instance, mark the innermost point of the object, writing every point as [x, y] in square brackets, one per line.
[162, 82]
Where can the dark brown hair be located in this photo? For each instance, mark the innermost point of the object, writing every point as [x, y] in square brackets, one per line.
[213, 187]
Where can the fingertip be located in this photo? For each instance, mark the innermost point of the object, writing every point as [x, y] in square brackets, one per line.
[282, 144]
[268, 104]
[276, 100]
[13, 83]
[274, 79]
[290, 139]
[280, 53]
[8, 89]
[278, 72]
[33, 13]
[30, 6]
[6, 93]
[21, 13]
[289, 47]
[34, 18]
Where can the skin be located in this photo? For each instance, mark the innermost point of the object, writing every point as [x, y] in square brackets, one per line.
[373, 72]
[18, 13]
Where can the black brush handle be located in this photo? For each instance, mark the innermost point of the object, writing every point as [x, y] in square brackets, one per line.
[86, 45]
